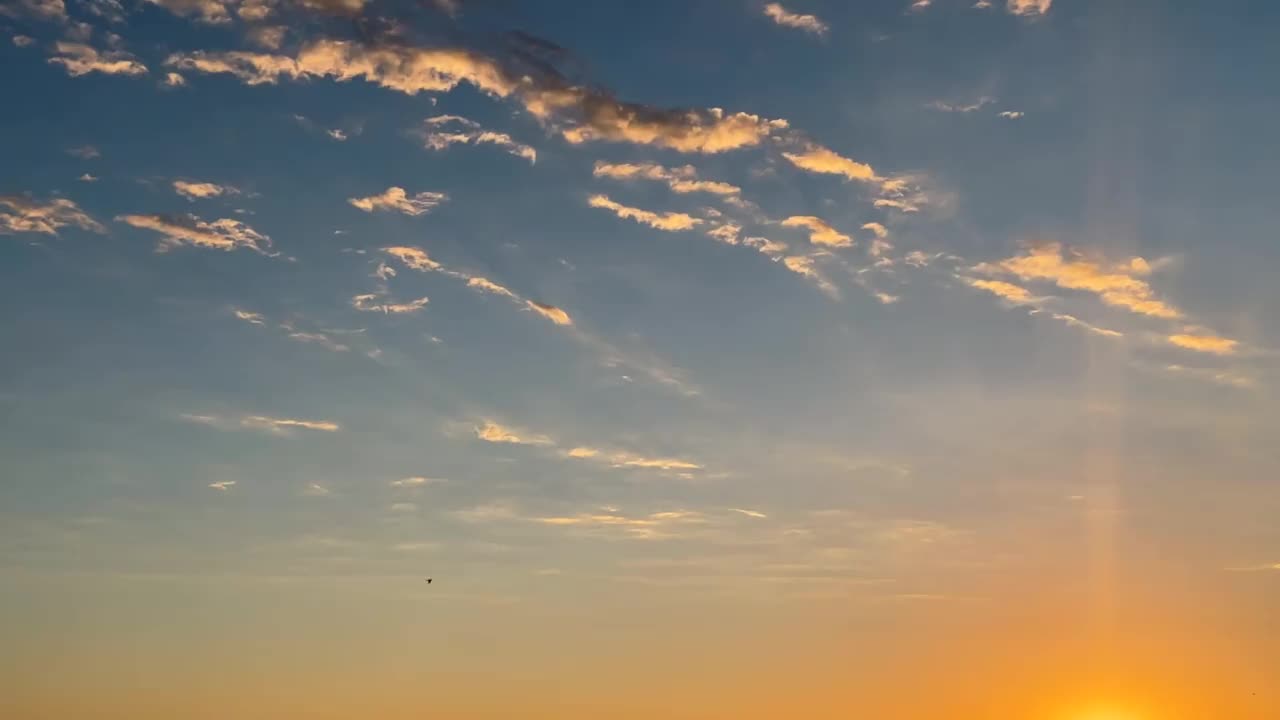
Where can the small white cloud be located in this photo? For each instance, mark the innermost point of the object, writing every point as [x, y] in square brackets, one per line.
[403, 507]
[252, 318]
[202, 190]
[23, 40]
[1012, 114]
[748, 513]
[316, 490]
[87, 178]
[223, 485]
[174, 80]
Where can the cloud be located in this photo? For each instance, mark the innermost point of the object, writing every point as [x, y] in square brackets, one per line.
[766, 246]
[337, 134]
[252, 318]
[669, 222]
[1013, 293]
[1028, 7]
[623, 459]
[900, 204]
[86, 177]
[84, 152]
[682, 179]
[403, 507]
[489, 286]
[879, 244]
[818, 159]
[80, 59]
[28, 215]
[580, 114]
[1116, 284]
[490, 431]
[413, 258]
[213, 12]
[748, 513]
[415, 481]
[316, 338]
[222, 234]
[202, 190]
[808, 23]
[223, 485]
[23, 40]
[962, 108]
[804, 266]
[436, 137]
[369, 303]
[820, 233]
[274, 426]
[1216, 376]
[1012, 114]
[1204, 343]
[395, 198]
[1074, 321]
[55, 10]
[316, 490]
[550, 312]
[281, 426]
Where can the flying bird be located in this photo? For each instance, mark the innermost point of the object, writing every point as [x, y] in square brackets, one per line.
[428, 581]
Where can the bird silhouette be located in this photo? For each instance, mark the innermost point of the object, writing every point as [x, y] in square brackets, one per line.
[428, 581]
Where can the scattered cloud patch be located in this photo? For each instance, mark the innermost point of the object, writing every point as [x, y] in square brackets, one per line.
[376, 303]
[493, 432]
[86, 177]
[80, 59]
[415, 481]
[19, 214]
[213, 12]
[84, 152]
[1204, 343]
[820, 233]
[179, 230]
[668, 222]
[252, 318]
[550, 312]
[442, 131]
[1117, 284]
[262, 423]
[818, 159]
[222, 485]
[1012, 114]
[961, 107]
[785, 18]
[681, 180]
[396, 199]
[1028, 7]
[202, 190]
[23, 40]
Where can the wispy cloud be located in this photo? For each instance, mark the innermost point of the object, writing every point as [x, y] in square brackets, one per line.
[962, 107]
[173, 80]
[316, 490]
[1074, 321]
[491, 431]
[1008, 291]
[84, 152]
[202, 190]
[415, 481]
[550, 312]
[417, 259]
[749, 513]
[1217, 376]
[53, 10]
[1205, 343]
[1119, 284]
[580, 113]
[27, 215]
[820, 233]
[80, 59]
[252, 318]
[669, 222]
[442, 131]
[315, 338]
[395, 198]
[818, 159]
[371, 302]
[223, 485]
[222, 234]
[23, 40]
[1012, 114]
[623, 459]
[86, 177]
[272, 425]
[683, 179]
[782, 16]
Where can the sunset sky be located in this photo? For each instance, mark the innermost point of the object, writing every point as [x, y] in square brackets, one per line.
[717, 359]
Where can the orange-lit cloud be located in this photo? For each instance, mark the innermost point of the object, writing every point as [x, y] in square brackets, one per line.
[1205, 343]
[178, 230]
[493, 432]
[820, 233]
[371, 302]
[1029, 7]
[1008, 291]
[27, 215]
[550, 312]
[272, 425]
[202, 190]
[395, 198]
[818, 159]
[669, 222]
[80, 59]
[413, 258]
[1117, 284]
[442, 131]
[682, 179]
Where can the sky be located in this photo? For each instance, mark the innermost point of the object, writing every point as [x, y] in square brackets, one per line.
[716, 359]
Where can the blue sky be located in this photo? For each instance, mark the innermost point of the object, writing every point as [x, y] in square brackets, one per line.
[871, 301]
